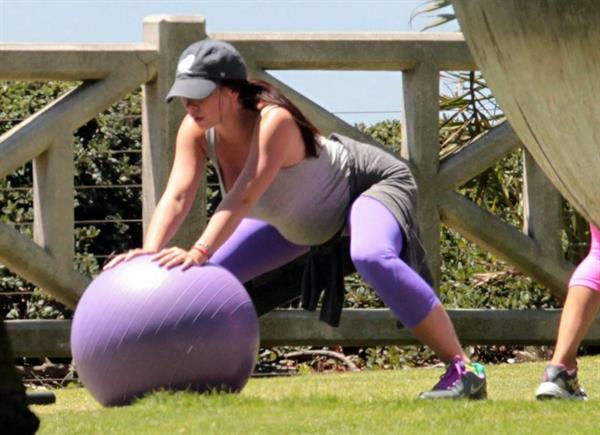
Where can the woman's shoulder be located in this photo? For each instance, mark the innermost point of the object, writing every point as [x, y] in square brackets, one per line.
[266, 108]
[274, 111]
[191, 133]
[276, 118]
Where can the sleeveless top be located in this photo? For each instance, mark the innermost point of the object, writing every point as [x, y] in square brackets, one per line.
[308, 202]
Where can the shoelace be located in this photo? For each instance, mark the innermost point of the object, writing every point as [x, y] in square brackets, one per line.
[454, 370]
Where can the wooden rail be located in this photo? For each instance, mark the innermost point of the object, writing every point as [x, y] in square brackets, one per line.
[358, 327]
[108, 72]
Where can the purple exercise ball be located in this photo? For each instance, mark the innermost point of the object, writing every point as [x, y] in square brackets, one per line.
[139, 327]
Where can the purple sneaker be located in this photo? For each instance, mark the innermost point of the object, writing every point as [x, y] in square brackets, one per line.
[460, 381]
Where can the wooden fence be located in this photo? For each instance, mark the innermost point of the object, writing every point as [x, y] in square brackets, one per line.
[108, 72]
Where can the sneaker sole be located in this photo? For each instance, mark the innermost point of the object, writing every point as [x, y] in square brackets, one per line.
[549, 390]
[479, 395]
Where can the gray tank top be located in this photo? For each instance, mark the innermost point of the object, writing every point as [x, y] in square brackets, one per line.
[308, 202]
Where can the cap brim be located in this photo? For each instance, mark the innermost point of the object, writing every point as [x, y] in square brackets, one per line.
[192, 88]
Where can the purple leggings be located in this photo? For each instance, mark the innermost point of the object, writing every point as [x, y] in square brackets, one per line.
[587, 273]
[375, 245]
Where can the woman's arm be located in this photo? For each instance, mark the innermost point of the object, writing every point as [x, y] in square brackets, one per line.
[175, 203]
[269, 150]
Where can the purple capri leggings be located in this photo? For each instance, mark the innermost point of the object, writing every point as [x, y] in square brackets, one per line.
[587, 273]
[375, 245]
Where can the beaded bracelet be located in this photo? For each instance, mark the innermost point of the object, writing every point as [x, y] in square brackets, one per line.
[202, 250]
[203, 247]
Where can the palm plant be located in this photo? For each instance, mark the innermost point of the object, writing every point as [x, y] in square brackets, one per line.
[477, 110]
[441, 18]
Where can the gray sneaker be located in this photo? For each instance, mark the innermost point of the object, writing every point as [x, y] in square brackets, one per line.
[460, 381]
[560, 383]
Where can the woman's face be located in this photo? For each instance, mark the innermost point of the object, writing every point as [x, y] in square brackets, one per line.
[209, 111]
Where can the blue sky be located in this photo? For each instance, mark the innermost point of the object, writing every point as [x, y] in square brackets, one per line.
[354, 96]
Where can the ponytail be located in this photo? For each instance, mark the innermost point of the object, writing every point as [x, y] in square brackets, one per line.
[254, 92]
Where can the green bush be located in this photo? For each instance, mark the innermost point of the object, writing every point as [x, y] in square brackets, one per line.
[107, 198]
[107, 202]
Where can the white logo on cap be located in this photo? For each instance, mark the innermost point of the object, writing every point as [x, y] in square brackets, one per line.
[185, 64]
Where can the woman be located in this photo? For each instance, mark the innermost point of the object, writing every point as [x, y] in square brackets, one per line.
[583, 302]
[287, 189]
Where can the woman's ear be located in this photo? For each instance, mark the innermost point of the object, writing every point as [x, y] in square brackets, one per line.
[230, 92]
[233, 96]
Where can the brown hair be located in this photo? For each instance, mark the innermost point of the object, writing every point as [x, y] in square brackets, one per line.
[253, 92]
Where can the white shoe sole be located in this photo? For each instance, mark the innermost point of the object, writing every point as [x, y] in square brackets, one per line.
[548, 390]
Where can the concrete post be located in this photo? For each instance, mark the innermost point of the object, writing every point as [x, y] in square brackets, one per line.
[505, 241]
[420, 145]
[542, 208]
[160, 121]
[53, 190]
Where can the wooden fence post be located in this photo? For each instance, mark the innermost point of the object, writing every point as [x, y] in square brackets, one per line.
[160, 121]
[420, 145]
[542, 208]
[53, 194]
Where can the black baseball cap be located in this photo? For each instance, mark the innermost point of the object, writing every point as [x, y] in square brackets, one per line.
[202, 66]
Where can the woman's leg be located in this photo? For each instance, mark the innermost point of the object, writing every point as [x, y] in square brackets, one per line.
[375, 246]
[255, 248]
[579, 311]
[581, 307]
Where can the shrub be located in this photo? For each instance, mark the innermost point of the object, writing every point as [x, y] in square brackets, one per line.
[107, 201]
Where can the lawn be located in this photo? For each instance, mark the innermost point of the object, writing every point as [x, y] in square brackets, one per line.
[353, 403]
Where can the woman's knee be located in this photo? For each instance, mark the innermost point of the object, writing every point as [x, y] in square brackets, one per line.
[368, 262]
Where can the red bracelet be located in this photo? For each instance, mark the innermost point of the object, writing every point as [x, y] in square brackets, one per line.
[202, 250]
[203, 245]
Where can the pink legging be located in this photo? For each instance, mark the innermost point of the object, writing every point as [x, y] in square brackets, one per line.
[375, 245]
[587, 273]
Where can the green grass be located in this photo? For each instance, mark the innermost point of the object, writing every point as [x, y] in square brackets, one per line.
[366, 402]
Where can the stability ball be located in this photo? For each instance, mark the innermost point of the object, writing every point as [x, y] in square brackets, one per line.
[140, 327]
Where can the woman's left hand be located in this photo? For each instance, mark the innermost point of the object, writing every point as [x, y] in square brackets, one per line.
[172, 257]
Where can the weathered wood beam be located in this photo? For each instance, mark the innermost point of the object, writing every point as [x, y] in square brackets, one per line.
[325, 121]
[32, 137]
[22, 256]
[364, 327]
[39, 338]
[51, 266]
[421, 147]
[73, 62]
[475, 158]
[160, 121]
[505, 241]
[352, 51]
[53, 195]
[542, 208]
[376, 327]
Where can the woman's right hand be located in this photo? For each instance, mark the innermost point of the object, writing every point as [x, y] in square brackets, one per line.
[126, 256]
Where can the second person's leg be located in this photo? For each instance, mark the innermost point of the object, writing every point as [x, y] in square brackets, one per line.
[581, 307]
